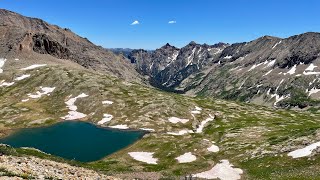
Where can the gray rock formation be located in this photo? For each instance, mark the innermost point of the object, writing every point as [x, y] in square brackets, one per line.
[26, 38]
[269, 70]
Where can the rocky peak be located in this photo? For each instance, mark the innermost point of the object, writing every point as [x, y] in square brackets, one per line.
[168, 46]
[219, 45]
[192, 43]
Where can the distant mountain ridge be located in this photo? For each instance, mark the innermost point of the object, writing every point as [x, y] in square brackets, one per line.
[273, 71]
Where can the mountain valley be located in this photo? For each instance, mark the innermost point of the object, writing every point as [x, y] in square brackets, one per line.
[224, 111]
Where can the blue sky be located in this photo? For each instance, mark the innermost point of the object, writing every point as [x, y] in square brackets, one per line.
[108, 22]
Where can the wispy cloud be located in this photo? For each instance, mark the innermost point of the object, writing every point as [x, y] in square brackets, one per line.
[135, 22]
[172, 22]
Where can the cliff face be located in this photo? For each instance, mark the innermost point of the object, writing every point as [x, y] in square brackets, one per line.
[28, 38]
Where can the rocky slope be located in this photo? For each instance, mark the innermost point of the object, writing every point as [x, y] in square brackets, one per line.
[34, 40]
[15, 167]
[269, 70]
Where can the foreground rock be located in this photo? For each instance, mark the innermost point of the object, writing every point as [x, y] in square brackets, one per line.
[46, 169]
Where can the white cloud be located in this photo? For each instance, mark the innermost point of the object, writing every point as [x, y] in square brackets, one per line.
[172, 22]
[135, 22]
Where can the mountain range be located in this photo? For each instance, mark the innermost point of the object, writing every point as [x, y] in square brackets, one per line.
[269, 70]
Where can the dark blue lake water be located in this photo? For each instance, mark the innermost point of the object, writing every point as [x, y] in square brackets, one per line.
[74, 140]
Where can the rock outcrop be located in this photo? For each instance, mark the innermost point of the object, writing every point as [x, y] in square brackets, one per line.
[31, 38]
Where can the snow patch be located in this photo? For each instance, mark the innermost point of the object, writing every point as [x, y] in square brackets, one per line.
[24, 100]
[73, 114]
[203, 123]
[223, 170]
[173, 57]
[311, 67]
[227, 57]
[43, 91]
[213, 148]
[190, 57]
[311, 73]
[242, 83]
[120, 126]
[279, 85]
[33, 66]
[181, 132]
[276, 44]
[196, 110]
[2, 61]
[278, 98]
[218, 51]
[106, 118]
[310, 83]
[292, 70]
[22, 77]
[314, 90]
[6, 84]
[176, 120]
[253, 67]
[146, 157]
[147, 129]
[151, 65]
[306, 151]
[186, 158]
[271, 63]
[107, 102]
[310, 70]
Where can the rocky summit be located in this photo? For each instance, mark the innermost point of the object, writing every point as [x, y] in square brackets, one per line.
[225, 111]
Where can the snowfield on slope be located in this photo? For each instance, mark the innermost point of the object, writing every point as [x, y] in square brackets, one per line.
[306, 151]
[106, 118]
[197, 110]
[203, 123]
[6, 84]
[186, 158]
[223, 170]
[213, 148]
[181, 132]
[22, 77]
[73, 114]
[43, 91]
[120, 126]
[176, 120]
[146, 157]
[33, 66]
